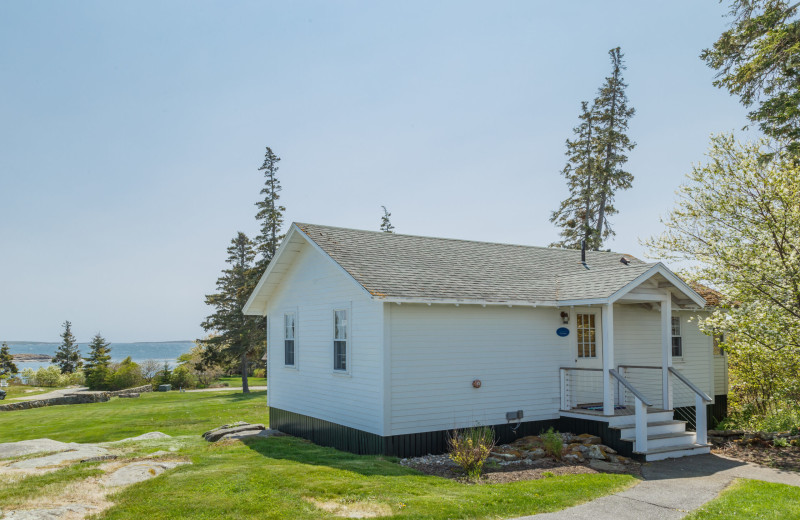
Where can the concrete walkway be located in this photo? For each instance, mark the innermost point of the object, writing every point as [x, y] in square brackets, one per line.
[671, 489]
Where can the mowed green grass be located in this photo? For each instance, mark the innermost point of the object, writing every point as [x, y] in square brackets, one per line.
[26, 391]
[173, 413]
[236, 381]
[276, 478]
[752, 499]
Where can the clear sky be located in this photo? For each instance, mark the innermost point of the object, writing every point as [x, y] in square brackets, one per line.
[131, 133]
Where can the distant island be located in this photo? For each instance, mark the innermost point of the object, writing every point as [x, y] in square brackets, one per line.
[22, 358]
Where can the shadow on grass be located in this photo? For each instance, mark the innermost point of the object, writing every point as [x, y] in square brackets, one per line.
[301, 451]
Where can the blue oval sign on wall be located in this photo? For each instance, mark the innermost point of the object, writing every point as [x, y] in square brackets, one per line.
[562, 331]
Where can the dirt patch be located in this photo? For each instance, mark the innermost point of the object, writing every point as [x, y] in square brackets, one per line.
[357, 509]
[763, 454]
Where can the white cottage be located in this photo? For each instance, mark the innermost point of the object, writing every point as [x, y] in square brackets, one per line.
[383, 343]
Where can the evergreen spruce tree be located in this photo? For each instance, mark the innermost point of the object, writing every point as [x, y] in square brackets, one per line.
[7, 366]
[577, 215]
[613, 114]
[386, 225]
[68, 357]
[165, 374]
[270, 213]
[97, 364]
[235, 336]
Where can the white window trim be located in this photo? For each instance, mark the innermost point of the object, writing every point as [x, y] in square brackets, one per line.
[347, 307]
[680, 335]
[296, 365]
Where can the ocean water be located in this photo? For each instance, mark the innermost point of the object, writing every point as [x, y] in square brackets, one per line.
[160, 351]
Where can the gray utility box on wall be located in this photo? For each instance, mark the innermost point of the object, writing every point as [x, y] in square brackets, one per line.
[514, 416]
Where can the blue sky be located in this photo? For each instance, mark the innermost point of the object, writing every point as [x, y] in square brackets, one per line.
[132, 132]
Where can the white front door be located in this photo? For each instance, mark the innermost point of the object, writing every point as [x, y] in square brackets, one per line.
[587, 345]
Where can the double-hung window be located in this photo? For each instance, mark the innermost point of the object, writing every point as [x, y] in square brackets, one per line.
[340, 340]
[677, 340]
[289, 335]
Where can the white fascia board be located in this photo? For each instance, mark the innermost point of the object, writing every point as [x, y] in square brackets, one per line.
[248, 309]
[664, 271]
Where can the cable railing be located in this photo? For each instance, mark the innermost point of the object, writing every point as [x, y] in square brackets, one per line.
[646, 379]
[582, 388]
[685, 396]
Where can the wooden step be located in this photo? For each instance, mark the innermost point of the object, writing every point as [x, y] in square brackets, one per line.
[664, 440]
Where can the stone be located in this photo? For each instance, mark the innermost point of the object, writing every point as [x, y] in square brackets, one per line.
[13, 450]
[505, 456]
[249, 434]
[570, 457]
[82, 452]
[128, 396]
[214, 436]
[587, 438]
[607, 450]
[609, 467]
[538, 453]
[149, 436]
[225, 427]
[594, 452]
[139, 472]
[100, 397]
[51, 513]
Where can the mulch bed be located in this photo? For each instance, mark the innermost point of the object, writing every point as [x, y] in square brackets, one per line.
[763, 454]
[500, 474]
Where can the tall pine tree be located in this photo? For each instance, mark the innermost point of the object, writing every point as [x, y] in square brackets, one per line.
[613, 114]
[270, 213]
[7, 366]
[235, 335]
[68, 357]
[96, 366]
[577, 214]
[386, 225]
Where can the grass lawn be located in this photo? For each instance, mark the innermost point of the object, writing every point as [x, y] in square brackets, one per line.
[237, 380]
[24, 391]
[752, 499]
[173, 413]
[281, 477]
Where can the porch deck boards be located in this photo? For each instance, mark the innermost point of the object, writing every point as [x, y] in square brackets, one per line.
[628, 410]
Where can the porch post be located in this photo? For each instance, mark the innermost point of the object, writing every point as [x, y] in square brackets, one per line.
[666, 349]
[608, 358]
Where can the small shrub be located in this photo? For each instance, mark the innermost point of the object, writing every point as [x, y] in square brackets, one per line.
[469, 448]
[259, 372]
[553, 443]
[76, 378]
[182, 377]
[548, 474]
[780, 442]
[794, 431]
[128, 375]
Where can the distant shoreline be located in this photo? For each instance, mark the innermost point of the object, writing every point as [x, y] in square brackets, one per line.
[22, 358]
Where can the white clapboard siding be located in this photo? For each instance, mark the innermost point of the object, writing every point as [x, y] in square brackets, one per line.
[313, 287]
[720, 375]
[437, 352]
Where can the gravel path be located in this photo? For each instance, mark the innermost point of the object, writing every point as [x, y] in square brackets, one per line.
[671, 489]
[49, 395]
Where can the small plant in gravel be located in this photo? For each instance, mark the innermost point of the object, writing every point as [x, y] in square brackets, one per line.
[780, 442]
[553, 443]
[470, 447]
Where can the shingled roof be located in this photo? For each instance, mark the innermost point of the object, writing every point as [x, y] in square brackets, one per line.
[390, 265]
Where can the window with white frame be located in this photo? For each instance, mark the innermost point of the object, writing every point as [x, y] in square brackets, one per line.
[586, 335]
[289, 335]
[677, 340]
[340, 340]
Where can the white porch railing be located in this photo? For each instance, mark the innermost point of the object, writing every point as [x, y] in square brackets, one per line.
[647, 380]
[640, 411]
[700, 401]
[581, 388]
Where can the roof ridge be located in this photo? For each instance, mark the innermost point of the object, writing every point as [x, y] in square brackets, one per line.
[301, 224]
